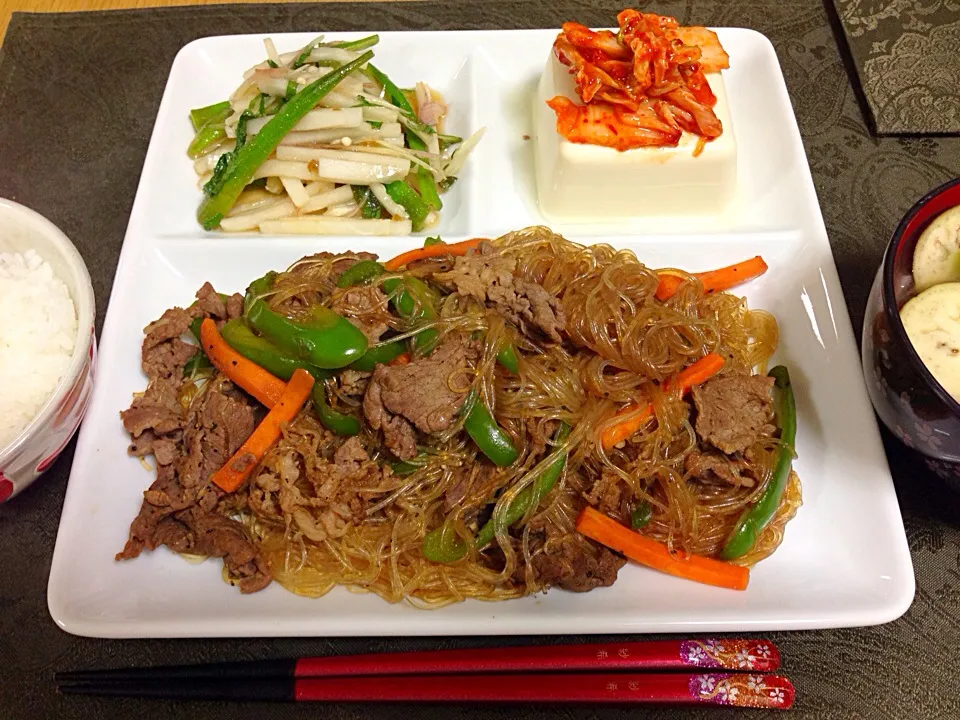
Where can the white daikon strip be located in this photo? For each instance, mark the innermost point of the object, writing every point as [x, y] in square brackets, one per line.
[305, 154]
[251, 220]
[273, 185]
[459, 156]
[327, 199]
[338, 55]
[271, 51]
[315, 120]
[345, 210]
[322, 225]
[251, 199]
[379, 114]
[395, 209]
[273, 86]
[206, 163]
[278, 168]
[319, 186]
[338, 100]
[297, 192]
[389, 131]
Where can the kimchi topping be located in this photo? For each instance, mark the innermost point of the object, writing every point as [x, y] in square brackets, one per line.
[642, 87]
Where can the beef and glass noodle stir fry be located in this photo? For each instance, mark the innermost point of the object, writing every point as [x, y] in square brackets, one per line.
[320, 141]
[484, 419]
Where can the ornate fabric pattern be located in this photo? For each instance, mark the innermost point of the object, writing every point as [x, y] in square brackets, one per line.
[907, 54]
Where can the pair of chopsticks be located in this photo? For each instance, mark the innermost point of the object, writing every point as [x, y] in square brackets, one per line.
[730, 672]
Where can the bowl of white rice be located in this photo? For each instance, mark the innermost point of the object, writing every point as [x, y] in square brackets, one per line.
[47, 344]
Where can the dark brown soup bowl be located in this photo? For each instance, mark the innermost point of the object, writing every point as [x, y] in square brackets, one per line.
[905, 394]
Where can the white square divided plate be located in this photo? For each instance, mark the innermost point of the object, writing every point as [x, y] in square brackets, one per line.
[844, 561]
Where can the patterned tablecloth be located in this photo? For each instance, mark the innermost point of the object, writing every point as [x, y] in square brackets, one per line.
[78, 95]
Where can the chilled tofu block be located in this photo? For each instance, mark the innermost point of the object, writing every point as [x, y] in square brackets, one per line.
[589, 183]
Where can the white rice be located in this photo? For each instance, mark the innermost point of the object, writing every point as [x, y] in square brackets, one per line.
[38, 328]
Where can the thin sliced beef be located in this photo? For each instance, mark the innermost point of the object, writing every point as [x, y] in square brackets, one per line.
[324, 497]
[419, 392]
[180, 509]
[364, 307]
[166, 449]
[354, 382]
[489, 277]
[733, 411]
[712, 466]
[172, 324]
[577, 566]
[210, 302]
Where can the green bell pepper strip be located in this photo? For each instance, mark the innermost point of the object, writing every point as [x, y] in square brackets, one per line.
[507, 357]
[416, 302]
[218, 112]
[406, 196]
[238, 335]
[641, 515]
[257, 289]
[326, 340]
[253, 154]
[407, 467]
[483, 429]
[751, 523]
[360, 273]
[444, 546]
[531, 495]
[336, 422]
[357, 45]
[379, 355]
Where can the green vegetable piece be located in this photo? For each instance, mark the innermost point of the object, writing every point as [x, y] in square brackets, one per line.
[336, 422]
[640, 517]
[360, 273]
[207, 138]
[197, 364]
[448, 140]
[415, 302]
[370, 207]
[428, 188]
[451, 547]
[379, 355]
[408, 467]
[443, 545]
[483, 429]
[328, 340]
[531, 495]
[394, 94]
[507, 357]
[433, 241]
[257, 289]
[218, 112]
[357, 45]
[247, 159]
[751, 523]
[406, 196]
[264, 353]
[291, 90]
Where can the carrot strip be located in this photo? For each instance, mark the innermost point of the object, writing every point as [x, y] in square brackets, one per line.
[264, 386]
[607, 531]
[401, 359]
[248, 456]
[697, 373]
[437, 250]
[715, 280]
